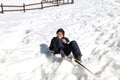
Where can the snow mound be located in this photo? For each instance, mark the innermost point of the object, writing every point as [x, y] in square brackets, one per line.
[25, 37]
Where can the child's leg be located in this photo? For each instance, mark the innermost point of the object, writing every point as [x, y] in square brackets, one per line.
[67, 50]
[75, 49]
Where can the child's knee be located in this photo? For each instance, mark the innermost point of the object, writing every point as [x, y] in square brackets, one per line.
[56, 39]
[73, 42]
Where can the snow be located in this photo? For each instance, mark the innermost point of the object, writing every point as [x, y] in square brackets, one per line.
[25, 37]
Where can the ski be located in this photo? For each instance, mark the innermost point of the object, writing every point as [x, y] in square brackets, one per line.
[84, 66]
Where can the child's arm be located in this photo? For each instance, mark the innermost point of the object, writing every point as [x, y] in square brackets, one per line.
[65, 40]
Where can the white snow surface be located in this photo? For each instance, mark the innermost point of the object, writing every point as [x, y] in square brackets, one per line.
[25, 38]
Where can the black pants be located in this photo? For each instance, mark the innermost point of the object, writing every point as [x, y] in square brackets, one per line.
[67, 48]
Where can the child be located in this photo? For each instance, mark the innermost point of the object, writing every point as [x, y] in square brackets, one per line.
[61, 45]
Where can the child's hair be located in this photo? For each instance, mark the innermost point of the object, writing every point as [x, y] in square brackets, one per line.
[61, 30]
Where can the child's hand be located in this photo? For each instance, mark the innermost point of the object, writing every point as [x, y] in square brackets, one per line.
[64, 41]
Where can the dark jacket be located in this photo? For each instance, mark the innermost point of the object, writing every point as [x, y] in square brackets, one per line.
[54, 47]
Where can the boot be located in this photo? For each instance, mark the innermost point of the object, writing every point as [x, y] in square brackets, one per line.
[79, 59]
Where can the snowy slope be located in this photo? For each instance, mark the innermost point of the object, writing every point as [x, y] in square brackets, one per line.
[25, 37]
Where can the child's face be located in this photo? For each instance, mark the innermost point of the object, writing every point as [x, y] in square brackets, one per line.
[60, 35]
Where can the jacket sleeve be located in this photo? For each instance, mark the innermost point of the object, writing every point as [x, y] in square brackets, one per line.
[51, 45]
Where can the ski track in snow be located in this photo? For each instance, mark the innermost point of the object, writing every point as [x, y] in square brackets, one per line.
[25, 37]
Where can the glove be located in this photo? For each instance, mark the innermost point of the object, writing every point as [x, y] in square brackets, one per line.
[62, 53]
